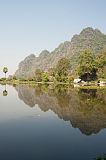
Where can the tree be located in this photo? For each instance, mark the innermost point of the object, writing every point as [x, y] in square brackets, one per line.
[38, 75]
[45, 77]
[52, 71]
[14, 77]
[5, 70]
[70, 78]
[63, 66]
[58, 78]
[101, 61]
[87, 66]
[31, 78]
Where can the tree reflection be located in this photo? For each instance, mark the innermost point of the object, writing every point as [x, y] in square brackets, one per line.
[60, 92]
[5, 93]
[85, 109]
[91, 101]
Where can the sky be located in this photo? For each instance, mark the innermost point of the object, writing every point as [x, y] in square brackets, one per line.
[30, 26]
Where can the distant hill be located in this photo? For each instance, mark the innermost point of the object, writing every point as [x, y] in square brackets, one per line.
[89, 38]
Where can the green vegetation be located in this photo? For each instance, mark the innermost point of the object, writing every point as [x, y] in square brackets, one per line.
[63, 66]
[67, 62]
[45, 77]
[58, 74]
[5, 70]
[62, 70]
[38, 75]
[90, 39]
[91, 69]
[101, 61]
[2, 79]
[5, 93]
[90, 66]
[84, 108]
[87, 66]
[101, 157]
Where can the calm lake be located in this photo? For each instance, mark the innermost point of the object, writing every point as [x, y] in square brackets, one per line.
[47, 123]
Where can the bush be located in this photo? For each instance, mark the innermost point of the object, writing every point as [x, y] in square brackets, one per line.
[31, 79]
[45, 77]
[2, 79]
[22, 80]
[70, 79]
[38, 75]
[64, 78]
[58, 78]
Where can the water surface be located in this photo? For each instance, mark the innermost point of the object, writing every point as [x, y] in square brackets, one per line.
[52, 123]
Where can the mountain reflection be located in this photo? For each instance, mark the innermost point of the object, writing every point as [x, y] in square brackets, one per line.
[84, 108]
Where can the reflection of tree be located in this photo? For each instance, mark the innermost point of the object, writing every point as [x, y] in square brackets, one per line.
[92, 101]
[5, 93]
[100, 157]
[38, 90]
[85, 109]
[14, 85]
[60, 92]
[44, 88]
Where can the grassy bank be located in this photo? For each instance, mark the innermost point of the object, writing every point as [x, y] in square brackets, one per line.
[87, 85]
[29, 82]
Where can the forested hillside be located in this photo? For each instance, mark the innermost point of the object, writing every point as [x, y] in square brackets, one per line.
[89, 39]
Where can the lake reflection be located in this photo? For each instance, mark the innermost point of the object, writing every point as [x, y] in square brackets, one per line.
[52, 123]
[84, 108]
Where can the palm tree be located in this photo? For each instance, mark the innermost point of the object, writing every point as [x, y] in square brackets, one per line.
[5, 70]
[5, 93]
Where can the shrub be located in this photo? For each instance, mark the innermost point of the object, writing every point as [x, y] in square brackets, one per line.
[22, 80]
[45, 77]
[2, 79]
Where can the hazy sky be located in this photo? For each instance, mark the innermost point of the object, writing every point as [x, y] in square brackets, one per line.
[30, 26]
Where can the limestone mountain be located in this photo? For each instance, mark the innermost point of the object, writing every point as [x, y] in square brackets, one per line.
[89, 38]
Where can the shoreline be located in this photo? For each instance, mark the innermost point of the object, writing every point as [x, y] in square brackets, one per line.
[87, 85]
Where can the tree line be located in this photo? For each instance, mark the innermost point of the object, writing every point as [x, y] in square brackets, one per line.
[90, 67]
